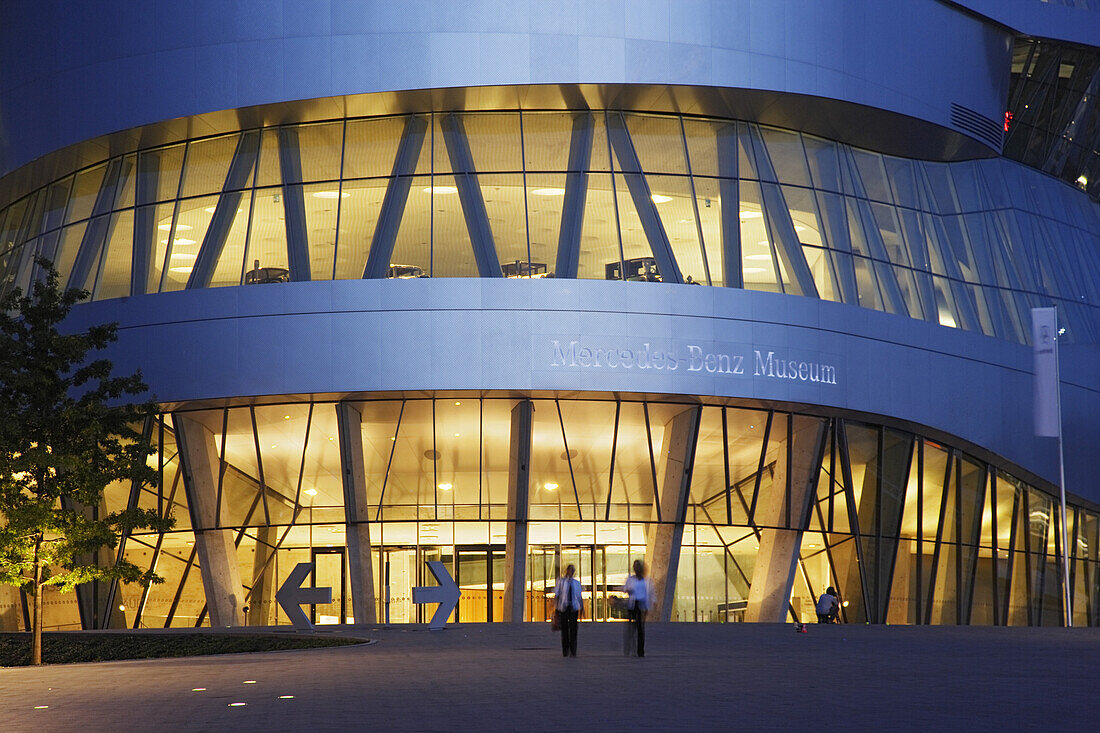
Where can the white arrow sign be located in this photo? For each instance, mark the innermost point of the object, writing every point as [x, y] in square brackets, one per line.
[446, 594]
[291, 595]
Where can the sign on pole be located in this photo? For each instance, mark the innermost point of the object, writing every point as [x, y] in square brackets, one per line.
[1044, 339]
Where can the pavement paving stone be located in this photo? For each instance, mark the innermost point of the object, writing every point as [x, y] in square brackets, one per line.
[503, 677]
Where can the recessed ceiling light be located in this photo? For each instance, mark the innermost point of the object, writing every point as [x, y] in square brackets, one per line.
[659, 198]
[746, 214]
[440, 189]
[799, 228]
[179, 227]
[311, 492]
[184, 256]
[457, 404]
[549, 192]
[183, 241]
[549, 486]
[180, 269]
[446, 487]
[457, 435]
[758, 257]
[753, 270]
[330, 194]
[286, 417]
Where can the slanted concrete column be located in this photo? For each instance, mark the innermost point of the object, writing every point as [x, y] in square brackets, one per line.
[261, 601]
[217, 554]
[663, 539]
[356, 514]
[519, 493]
[773, 575]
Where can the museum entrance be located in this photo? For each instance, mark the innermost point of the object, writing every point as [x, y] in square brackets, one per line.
[478, 570]
[330, 569]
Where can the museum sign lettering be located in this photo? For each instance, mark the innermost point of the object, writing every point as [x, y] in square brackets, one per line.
[691, 359]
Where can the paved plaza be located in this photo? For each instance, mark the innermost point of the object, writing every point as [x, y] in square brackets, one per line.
[482, 677]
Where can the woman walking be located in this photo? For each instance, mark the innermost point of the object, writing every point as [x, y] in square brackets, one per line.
[638, 593]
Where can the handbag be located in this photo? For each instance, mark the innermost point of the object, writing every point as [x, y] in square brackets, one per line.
[555, 620]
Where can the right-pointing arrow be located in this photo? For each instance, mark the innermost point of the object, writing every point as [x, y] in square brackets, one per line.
[446, 594]
[291, 595]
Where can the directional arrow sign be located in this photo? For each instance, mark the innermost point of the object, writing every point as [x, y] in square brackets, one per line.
[291, 595]
[445, 594]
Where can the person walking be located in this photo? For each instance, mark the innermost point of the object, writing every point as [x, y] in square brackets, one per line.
[569, 604]
[639, 591]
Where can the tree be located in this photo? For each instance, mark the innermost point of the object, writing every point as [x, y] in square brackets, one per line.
[67, 431]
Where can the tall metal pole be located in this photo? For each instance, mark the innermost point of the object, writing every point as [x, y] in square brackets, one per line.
[1048, 419]
[1067, 602]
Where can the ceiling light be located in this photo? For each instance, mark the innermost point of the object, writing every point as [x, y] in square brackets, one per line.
[210, 209]
[753, 270]
[758, 257]
[445, 487]
[179, 227]
[122, 607]
[330, 194]
[746, 214]
[799, 228]
[549, 192]
[180, 269]
[184, 256]
[659, 198]
[549, 486]
[286, 697]
[440, 189]
[311, 492]
[237, 704]
[198, 689]
[286, 417]
[183, 241]
[250, 682]
[457, 435]
[457, 404]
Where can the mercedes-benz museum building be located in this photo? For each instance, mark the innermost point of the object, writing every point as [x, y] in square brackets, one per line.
[739, 288]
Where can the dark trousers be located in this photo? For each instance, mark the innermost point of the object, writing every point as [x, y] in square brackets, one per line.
[568, 633]
[637, 624]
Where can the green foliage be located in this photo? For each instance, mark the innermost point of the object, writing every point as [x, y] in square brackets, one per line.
[66, 433]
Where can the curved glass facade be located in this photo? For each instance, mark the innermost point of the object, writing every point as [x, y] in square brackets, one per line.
[604, 194]
[909, 529]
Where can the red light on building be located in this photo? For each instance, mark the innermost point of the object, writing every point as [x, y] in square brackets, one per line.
[1008, 120]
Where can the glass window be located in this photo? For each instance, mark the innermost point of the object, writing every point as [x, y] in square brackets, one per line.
[84, 193]
[208, 164]
[114, 269]
[371, 147]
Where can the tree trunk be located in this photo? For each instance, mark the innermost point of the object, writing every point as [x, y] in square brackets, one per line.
[36, 640]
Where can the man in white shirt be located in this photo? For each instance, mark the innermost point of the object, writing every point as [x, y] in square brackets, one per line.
[569, 603]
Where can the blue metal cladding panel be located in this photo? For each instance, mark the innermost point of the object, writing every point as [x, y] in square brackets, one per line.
[479, 334]
[132, 62]
[1076, 21]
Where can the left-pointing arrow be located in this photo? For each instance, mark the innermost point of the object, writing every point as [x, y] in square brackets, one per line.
[291, 595]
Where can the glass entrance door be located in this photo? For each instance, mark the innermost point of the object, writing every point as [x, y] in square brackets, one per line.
[398, 579]
[330, 570]
[547, 563]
